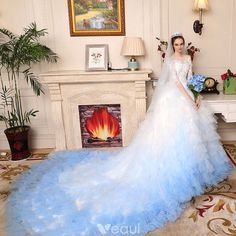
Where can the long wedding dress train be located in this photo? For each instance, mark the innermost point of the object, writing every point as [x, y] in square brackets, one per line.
[175, 154]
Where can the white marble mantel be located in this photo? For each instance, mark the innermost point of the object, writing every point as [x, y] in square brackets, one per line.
[223, 104]
[68, 89]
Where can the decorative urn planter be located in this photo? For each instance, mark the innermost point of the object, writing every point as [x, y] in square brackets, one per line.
[18, 141]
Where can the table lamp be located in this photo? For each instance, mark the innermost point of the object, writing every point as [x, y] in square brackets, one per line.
[133, 46]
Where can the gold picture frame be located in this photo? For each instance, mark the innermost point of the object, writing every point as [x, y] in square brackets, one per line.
[96, 17]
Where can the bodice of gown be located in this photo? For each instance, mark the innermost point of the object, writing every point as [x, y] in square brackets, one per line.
[175, 69]
[182, 71]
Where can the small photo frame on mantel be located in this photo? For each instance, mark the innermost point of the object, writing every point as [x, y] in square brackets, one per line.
[96, 57]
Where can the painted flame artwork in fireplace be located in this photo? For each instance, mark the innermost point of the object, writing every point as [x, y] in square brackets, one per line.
[100, 125]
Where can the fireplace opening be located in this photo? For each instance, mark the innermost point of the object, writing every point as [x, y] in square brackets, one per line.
[100, 125]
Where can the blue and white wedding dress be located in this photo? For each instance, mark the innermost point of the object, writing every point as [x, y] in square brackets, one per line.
[175, 155]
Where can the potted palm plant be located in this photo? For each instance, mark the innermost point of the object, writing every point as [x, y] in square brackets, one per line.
[17, 54]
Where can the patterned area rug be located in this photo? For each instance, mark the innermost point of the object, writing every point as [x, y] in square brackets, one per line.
[36, 155]
[231, 151]
[9, 170]
[213, 213]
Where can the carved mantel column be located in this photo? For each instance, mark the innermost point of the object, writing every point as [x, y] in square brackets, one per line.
[140, 95]
[56, 103]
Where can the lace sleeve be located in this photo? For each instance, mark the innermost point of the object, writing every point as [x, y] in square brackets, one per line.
[182, 80]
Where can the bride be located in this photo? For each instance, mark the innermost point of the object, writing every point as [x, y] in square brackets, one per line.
[175, 155]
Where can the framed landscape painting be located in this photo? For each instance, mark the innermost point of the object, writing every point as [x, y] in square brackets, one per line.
[96, 17]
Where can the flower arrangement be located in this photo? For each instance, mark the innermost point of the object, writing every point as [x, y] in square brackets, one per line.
[227, 75]
[229, 81]
[196, 84]
[191, 50]
[162, 47]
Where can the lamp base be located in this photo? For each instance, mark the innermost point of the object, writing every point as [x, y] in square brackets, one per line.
[133, 65]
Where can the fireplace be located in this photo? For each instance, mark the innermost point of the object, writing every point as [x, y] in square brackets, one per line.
[100, 125]
[120, 94]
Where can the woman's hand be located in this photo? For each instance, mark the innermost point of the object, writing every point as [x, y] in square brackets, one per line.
[198, 102]
[194, 104]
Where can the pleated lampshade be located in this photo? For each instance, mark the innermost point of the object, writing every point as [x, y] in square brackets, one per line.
[132, 46]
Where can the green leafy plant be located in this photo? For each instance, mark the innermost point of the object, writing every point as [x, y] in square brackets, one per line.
[17, 54]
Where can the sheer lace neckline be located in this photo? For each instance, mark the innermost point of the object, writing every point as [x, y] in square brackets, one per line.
[184, 59]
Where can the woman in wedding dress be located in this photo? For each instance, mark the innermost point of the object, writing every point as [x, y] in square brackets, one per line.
[175, 155]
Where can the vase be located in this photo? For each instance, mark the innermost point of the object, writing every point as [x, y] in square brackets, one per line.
[18, 141]
[229, 86]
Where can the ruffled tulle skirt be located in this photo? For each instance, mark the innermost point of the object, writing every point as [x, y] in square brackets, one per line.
[175, 155]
